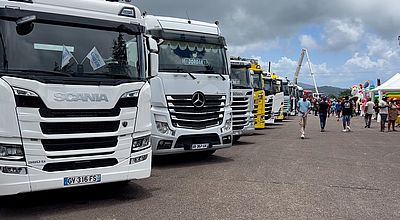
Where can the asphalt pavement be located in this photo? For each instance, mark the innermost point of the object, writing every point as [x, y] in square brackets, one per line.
[270, 175]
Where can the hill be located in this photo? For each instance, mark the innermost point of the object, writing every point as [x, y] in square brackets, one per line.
[327, 90]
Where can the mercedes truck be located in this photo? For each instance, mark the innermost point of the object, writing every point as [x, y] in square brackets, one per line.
[191, 98]
[75, 104]
[243, 103]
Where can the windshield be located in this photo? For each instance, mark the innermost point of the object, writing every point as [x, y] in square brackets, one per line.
[268, 86]
[190, 57]
[286, 89]
[257, 83]
[63, 51]
[240, 78]
[276, 86]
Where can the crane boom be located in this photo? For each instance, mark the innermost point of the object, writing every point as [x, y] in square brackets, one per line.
[304, 52]
[299, 64]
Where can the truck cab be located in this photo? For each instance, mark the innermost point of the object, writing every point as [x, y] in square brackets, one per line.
[259, 95]
[191, 98]
[269, 97]
[243, 103]
[75, 102]
[286, 88]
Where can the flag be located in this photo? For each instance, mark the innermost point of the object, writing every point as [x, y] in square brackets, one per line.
[96, 61]
[66, 56]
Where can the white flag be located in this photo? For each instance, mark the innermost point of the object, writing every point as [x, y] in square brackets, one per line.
[96, 61]
[66, 56]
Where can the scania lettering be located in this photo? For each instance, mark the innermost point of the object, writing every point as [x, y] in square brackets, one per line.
[83, 97]
[75, 103]
[191, 101]
[243, 104]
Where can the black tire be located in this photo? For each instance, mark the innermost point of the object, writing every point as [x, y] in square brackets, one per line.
[235, 139]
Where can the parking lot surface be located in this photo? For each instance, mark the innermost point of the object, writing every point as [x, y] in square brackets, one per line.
[270, 175]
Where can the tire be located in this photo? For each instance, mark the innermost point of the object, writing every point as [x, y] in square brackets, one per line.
[235, 139]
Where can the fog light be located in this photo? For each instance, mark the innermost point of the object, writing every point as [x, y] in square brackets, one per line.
[139, 159]
[14, 170]
[163, 145]
[227, 139]
[163, 128]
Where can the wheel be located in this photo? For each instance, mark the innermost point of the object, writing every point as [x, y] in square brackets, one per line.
[235, 139]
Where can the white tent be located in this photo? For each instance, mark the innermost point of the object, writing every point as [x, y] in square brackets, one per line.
[392, 85]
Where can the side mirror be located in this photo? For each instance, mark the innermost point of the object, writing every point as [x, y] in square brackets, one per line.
[152, 45]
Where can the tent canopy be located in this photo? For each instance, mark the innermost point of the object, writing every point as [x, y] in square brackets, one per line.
[392, 85]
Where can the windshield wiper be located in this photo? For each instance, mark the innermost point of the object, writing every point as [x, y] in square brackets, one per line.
[179, 70]
[210, 72]
[38, 71]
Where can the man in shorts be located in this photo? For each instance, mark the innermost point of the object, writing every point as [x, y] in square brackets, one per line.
[347, 113]
[303, 107]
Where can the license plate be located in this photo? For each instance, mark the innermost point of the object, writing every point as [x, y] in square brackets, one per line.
[79, 180]
[200, 146]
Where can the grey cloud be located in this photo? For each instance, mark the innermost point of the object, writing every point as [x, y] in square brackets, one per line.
[261, 21]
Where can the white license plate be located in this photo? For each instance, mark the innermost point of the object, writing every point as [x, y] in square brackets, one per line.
[200, 146]
[79, 180]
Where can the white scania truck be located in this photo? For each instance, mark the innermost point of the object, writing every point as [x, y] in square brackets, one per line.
[74, 101]
[191, 101]
[243, 102]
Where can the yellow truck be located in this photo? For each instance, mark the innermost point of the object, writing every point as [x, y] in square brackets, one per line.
[259, 95]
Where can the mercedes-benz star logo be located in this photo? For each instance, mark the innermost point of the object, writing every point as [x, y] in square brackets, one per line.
[198, 99]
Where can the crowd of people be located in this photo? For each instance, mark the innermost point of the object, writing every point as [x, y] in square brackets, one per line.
[385, 111]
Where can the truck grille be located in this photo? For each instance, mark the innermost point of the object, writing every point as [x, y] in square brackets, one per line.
[78, 127]
[185, 115]
[240, 107]
[68, 113]
[286, 106]
[268, 108]
[79, 143]
[77, 165]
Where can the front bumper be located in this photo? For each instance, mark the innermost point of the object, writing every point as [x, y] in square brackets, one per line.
[247, 130]
[38, 180]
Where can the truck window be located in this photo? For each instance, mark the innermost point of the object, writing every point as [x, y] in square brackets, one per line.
[240, 78]
[75, 51]
[191, 57]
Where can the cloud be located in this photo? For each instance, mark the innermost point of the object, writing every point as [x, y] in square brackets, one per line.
[340, 34]
[364, 62]
[307, 41]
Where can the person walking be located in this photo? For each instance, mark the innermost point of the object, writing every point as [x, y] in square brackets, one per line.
[338, 109]
[383, 112]
[347, 113]
[323, 108]
[303, 107]
[392, 115]
[369, 111]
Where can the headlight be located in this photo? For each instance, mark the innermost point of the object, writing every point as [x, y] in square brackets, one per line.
[140, 144]
[11, 152]
[228, 126]
[131, 94]
[163, 128]
[24, 92]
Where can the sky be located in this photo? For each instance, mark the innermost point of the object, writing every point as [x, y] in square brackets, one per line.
[349, 41]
